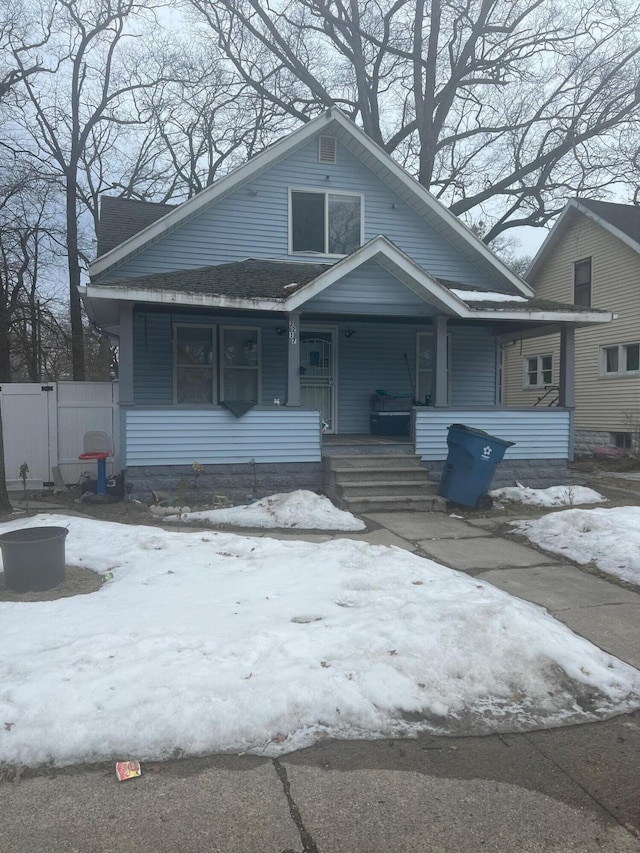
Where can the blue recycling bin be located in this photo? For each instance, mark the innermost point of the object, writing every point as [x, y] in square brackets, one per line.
[471, 463]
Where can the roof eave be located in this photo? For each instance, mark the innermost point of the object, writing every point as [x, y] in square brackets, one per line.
[131, 293]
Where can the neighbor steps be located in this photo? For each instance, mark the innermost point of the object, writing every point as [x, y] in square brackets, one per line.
[381, 483]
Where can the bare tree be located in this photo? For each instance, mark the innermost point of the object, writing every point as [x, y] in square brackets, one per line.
[502, 108]
[88, 84]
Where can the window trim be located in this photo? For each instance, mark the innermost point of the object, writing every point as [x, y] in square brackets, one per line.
[620, 373]
[539, 371]
[325, 192]
[214, 371]
[221, 365]
[583, 285]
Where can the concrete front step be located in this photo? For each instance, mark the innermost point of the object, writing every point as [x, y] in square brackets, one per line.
[397, 503]
[389, 460]
[384, 488]
[346, 476]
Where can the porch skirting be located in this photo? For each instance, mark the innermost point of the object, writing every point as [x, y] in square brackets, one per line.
[535, 473]
[236, 481]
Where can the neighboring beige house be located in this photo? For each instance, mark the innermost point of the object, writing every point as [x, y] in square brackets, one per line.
[591, 258]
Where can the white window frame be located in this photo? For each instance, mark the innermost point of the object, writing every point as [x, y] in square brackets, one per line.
[258, 368]
[540, 383]
[325, 192]
[214, 366]
[621, 372]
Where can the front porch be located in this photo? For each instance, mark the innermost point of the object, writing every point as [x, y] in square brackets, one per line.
[277, 448]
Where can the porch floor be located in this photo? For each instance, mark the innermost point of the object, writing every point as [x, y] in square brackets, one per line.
[363, 443]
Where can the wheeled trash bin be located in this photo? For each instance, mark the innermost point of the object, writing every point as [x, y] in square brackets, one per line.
[471, 463]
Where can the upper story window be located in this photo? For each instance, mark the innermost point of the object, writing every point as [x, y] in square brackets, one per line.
[582, 282]
[325, 223]
[538, 371]
[620, 360]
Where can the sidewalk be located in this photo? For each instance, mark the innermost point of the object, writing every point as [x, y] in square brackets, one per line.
[569, 789]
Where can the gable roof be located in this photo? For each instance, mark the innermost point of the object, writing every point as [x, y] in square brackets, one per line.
[121, 218]
[372, 156]
[620, 220]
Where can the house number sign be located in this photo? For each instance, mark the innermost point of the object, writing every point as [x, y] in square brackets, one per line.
[293, 331]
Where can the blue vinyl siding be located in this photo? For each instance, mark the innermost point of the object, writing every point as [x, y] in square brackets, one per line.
[370, 290]
[253, 222]
[538, 433]
[372, 358]
[177, 436]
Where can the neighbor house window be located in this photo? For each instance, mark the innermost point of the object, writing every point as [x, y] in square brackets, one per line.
[620, 360]
[195, 374]
[582, 282]
[538, 371]
[325, 223]
[240, 364]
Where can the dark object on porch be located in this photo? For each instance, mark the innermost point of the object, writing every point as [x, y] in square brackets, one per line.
[385, 401]
[390, 423]
[471, 463]
[33, 558]
[237, 407]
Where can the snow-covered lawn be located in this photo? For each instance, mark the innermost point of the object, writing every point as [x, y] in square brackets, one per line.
[212, 642]
[608, 537]
[301, 509]
[553, 496]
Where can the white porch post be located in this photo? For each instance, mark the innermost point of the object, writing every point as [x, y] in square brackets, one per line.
[125, 373]
[567, 391]
[440, 395]
[293, 359]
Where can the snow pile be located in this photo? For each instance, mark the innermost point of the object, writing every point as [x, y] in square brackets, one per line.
[300, 509]
[553, 496]
[486, 296]
[608, 537]
[211, 642]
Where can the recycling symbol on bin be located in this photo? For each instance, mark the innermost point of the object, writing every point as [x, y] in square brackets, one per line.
[486, 452]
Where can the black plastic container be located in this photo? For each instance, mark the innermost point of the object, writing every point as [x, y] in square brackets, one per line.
[33, 558]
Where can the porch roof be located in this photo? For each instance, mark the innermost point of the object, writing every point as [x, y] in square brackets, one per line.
[285, 286]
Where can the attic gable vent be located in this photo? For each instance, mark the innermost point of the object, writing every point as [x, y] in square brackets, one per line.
[327, 146]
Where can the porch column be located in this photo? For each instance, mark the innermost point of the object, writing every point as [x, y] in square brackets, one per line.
[567, 390]
[125, 374]
[125, 353]
[293, 362]
[440, 395]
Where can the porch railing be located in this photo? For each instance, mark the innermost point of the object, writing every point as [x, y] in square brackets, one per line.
[545, 433]
[175, 435]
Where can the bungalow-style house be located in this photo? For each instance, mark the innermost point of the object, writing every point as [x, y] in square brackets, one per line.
[258, 320]
[591, 258]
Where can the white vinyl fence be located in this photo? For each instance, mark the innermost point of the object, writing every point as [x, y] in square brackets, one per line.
[44, 424]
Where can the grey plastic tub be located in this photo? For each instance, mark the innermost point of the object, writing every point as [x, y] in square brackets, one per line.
[33, 558]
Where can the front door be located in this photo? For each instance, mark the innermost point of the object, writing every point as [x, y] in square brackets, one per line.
[317, 373]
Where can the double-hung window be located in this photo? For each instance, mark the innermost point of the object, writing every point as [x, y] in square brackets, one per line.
[620, 360]
[538, 371]
[240, 364]
[195, 373]
[582, 282]
[325, 223]
[203, 377]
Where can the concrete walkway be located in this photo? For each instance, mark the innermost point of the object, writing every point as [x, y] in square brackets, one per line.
[569, 789]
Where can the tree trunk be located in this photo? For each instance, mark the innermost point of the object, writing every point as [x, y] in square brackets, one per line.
[5, 503]
[75, 309]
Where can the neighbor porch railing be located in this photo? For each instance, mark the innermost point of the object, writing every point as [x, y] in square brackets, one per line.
[176, 435]
[538, 433]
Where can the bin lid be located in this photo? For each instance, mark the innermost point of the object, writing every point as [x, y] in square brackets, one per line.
[480, 432]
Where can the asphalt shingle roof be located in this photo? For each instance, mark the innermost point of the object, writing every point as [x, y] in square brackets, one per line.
[250, 279]
[121, 218]
[624, 217]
